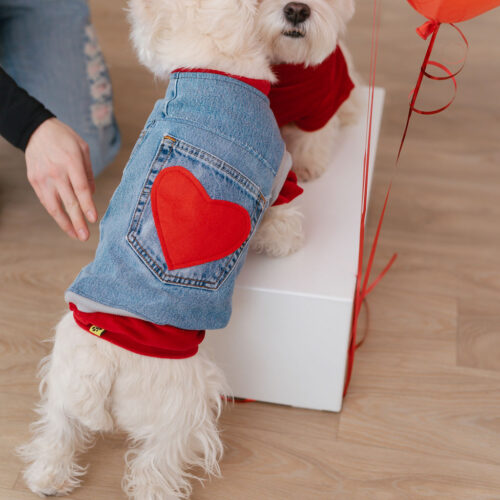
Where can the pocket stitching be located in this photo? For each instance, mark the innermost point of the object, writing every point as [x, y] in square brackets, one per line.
[240, 144]
[151, 262]
[167, 278]
[219, 165]
[139, 212]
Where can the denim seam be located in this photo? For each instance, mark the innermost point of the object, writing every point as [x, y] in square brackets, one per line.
[213, 161]
[138, 211]
[169, 279]
[228, 79]
[168, 101]
[186, 149]
[248, 148]
[125, 307]
[237, 257]
[157, 269]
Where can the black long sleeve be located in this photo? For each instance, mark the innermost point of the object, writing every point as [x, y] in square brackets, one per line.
[20, 113]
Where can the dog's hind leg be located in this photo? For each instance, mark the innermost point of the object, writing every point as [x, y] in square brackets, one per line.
[170, 409]
[75, 383]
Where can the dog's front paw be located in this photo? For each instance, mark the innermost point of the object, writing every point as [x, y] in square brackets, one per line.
[280, 232]
[48, 476]
[308, 171]
[311, 151]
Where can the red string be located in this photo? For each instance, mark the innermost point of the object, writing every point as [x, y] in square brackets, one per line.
[362, 291]
[358, 297]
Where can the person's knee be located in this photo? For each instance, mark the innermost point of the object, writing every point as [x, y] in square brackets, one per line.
[75, 85]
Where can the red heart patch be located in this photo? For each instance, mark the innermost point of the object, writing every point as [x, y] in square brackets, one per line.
[193, 228]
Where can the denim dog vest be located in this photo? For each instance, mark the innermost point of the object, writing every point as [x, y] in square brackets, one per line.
[176, 232]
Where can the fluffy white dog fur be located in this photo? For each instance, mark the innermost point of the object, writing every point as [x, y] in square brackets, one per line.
[281, 232]
[168, 407]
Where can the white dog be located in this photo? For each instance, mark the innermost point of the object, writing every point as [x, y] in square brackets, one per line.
[168, 407]
[303, 34]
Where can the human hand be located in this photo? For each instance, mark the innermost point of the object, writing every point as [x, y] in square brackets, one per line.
[59, 170]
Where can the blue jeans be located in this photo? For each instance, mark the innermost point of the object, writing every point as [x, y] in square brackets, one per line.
[221, 132]
[50, 49]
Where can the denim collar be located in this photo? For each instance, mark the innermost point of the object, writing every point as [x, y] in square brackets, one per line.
[263, 86]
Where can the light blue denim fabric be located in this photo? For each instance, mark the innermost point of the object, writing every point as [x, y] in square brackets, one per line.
[223, 131]
[49, 48]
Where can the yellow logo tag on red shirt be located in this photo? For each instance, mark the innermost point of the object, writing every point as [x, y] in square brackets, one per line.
[96, 330]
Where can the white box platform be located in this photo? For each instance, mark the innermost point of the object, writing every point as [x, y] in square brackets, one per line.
[289, 333]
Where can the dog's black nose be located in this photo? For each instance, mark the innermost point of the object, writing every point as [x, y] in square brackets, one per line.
[296, 12]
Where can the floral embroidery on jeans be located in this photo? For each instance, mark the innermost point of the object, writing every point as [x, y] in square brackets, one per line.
[100, 84]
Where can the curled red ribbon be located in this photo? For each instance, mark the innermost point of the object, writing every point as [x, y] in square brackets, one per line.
[428, 29]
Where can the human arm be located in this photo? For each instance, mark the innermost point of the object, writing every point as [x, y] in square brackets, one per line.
[20, 114]
[57, 159]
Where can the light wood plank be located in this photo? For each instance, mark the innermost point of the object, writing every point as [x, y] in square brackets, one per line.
[477, 344]
[422, 418]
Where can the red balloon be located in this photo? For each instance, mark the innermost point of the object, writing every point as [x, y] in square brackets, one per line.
[453, 11]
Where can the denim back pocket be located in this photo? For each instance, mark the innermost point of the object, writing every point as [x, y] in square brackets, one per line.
[220, 181]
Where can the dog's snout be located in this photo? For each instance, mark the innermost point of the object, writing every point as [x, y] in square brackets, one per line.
[296, 12]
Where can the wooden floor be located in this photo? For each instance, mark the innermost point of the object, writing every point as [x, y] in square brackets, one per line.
[422, 418]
